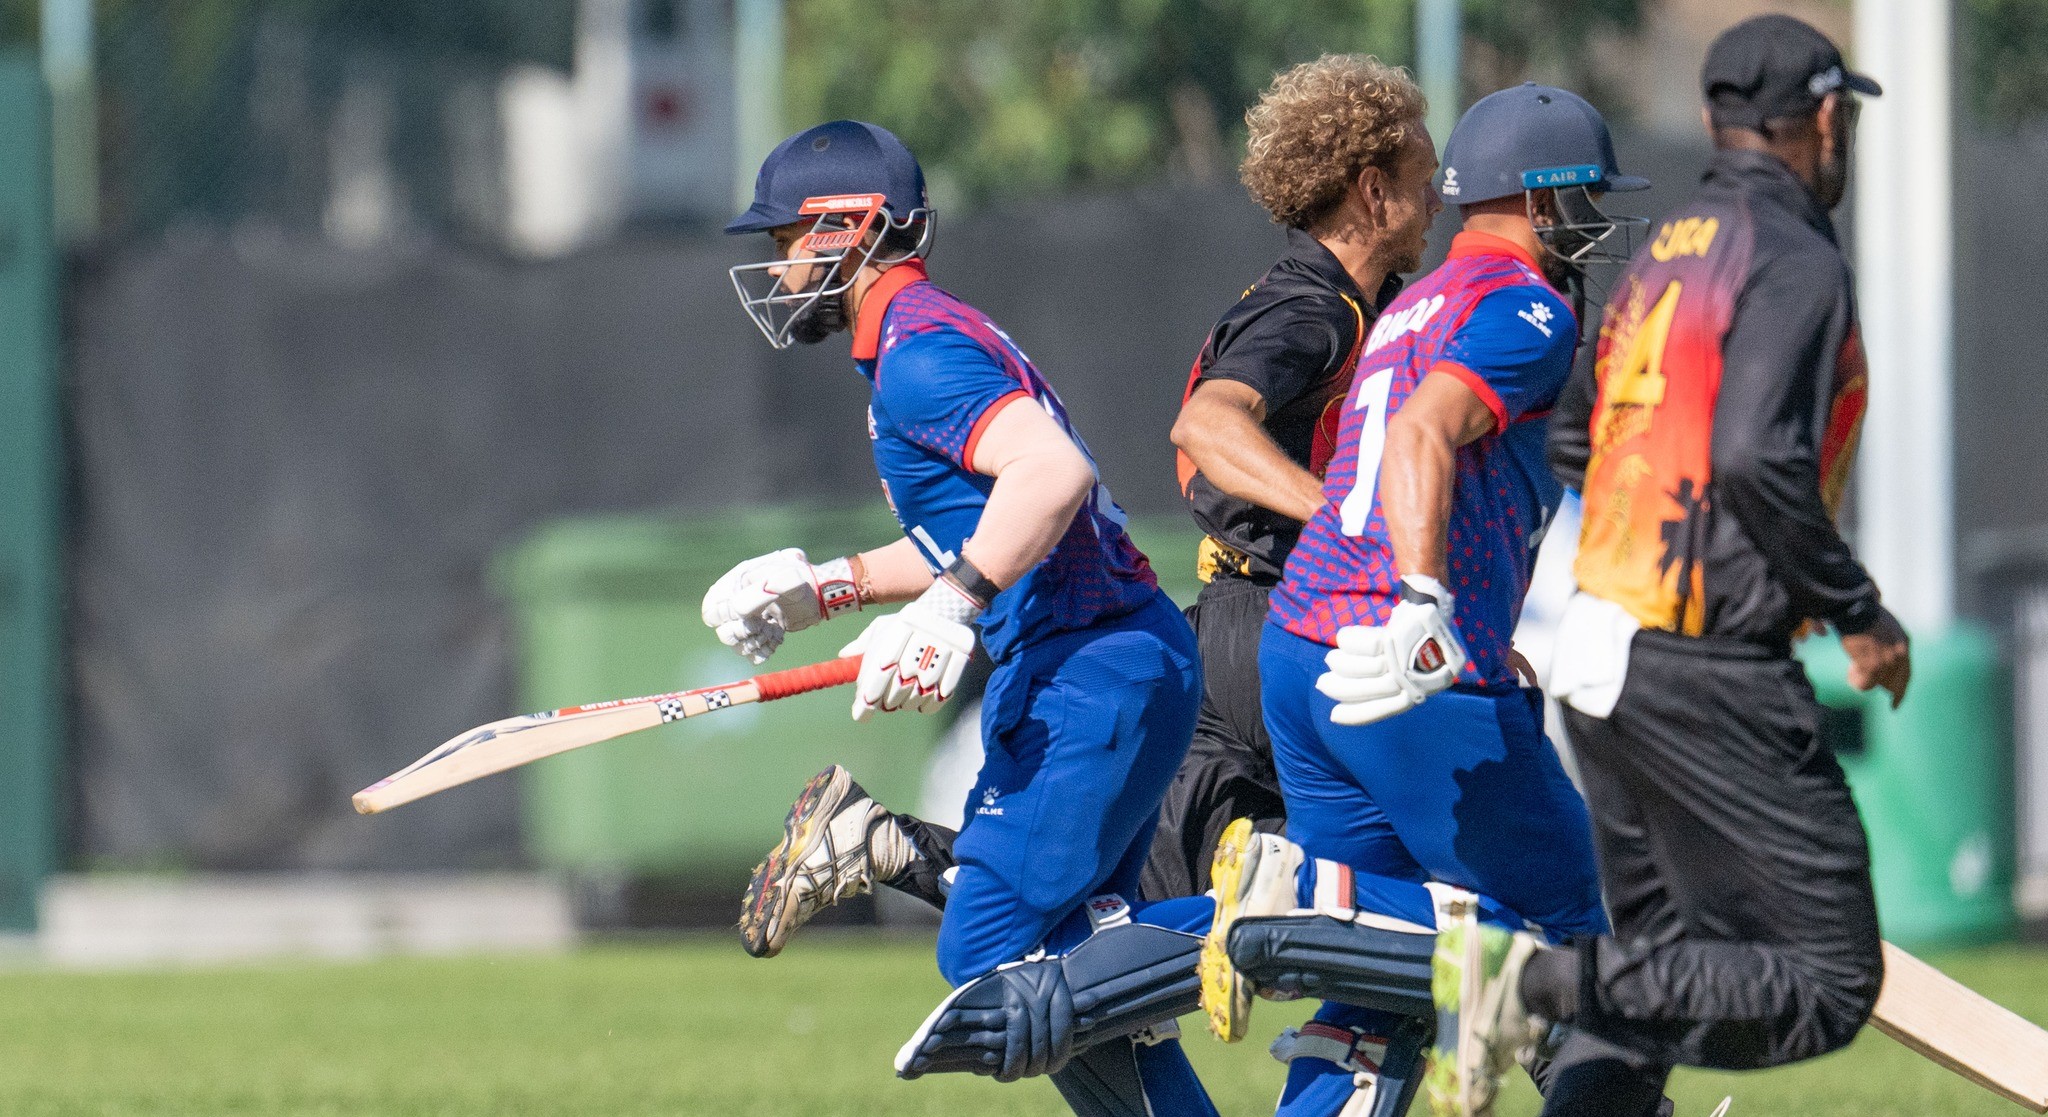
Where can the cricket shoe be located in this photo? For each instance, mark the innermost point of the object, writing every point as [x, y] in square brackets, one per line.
[1253, 875]
[1482, 1027]
[837, 842]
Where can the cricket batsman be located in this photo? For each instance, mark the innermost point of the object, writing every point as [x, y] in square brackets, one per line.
[1711, 444]
[1256, 429]
[1008, 531]
[1407, 748]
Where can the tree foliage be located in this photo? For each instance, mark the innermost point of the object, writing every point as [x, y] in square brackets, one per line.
[2005, 58]
[1013, 98]
[1016, 98]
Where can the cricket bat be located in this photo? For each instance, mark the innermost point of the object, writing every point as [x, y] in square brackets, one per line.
[502, 745]
[1945, 1021]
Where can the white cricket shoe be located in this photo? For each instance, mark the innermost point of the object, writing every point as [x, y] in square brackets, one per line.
[837, 842]
[1482, 1029]
[1253, 875]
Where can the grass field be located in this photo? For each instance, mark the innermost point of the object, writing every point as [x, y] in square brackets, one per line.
[692, 1027]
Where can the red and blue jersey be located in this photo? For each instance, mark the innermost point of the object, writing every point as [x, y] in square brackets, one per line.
[941, 370]
[1489, 318]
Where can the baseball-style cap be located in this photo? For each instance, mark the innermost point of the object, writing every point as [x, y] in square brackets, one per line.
[1528, 137]
[837, 157]
[1772, 67]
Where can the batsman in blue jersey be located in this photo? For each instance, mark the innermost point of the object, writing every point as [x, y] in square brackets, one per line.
[1007, 530]
[1410, 754]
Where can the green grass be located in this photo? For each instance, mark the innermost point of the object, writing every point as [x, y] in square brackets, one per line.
[688, 1028]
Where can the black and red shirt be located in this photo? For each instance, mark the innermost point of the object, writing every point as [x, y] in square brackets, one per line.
[1293, 338]
[1712, 437]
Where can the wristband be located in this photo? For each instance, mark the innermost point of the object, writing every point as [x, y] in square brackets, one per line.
[1421, 589]
[972, 582]
[863, 583]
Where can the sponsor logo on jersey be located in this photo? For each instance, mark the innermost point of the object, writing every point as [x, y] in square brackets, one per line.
[1538, 315]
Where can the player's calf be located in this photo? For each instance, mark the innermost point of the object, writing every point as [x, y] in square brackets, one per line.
[836, 843]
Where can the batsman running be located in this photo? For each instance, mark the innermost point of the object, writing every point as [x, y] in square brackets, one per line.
[1007, 528]
[1255, 431]
[1408, 750]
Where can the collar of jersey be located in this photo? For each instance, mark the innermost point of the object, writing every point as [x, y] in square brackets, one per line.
[867, 329]
[1471, 242]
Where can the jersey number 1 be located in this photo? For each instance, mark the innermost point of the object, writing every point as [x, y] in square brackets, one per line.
[1356, 511]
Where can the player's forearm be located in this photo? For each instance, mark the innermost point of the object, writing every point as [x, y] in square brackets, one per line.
[895, 573]
[1235, 453]
[1415, 496]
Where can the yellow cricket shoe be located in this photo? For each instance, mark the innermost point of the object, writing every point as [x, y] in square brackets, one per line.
[1253, 875]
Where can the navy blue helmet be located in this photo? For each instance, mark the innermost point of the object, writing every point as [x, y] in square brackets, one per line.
[860, 196]
[1530, 138]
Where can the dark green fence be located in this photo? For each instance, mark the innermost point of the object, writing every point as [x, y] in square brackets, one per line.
[31, 657]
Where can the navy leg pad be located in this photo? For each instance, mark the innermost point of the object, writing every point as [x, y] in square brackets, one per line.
[1103, 1081]
[1029, 1018]
[1334, 960]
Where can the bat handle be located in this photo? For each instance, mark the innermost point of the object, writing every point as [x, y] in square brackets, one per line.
[803, 680]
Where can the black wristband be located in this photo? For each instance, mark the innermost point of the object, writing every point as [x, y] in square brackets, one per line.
[972, 582]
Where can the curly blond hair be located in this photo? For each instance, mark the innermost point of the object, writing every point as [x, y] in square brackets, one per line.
[1321, 123]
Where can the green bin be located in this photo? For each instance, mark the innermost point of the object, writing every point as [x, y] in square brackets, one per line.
[1933, 780]
[608, 608]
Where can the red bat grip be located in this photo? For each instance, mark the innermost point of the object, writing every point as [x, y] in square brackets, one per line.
[803, 680]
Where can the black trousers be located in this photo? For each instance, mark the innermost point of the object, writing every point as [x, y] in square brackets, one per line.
[1735, 868]
[1228, 773]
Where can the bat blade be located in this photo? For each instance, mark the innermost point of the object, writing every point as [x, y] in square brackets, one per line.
[1951, 1024]
[501, 746]
[506, 744]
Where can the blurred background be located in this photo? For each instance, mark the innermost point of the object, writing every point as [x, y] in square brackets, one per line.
[368, 371]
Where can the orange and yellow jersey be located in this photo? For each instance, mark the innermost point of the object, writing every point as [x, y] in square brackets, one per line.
[1712, 442]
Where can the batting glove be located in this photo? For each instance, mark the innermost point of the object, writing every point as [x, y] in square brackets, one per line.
[760, 601]
[1377, 671]
[912, 660]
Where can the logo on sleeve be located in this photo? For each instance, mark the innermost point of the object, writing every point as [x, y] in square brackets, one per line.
[1538, 315]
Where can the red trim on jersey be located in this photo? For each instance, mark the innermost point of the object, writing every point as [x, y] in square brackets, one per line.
[1479, 387]
[981, 424]
[1474, 243]
[867, 329]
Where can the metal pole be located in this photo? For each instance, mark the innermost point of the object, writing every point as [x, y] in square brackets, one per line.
[1438, 41]
[74, 112]
[757, 90]
[1905, 284]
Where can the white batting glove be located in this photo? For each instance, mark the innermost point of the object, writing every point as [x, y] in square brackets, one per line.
[912, 660]
[760, 601]
[1379, 671]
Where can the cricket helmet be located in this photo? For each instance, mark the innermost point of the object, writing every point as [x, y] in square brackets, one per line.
[863, 196]
[1531, 138]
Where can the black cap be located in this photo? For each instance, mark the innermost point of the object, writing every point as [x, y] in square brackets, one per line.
[1772, 67]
